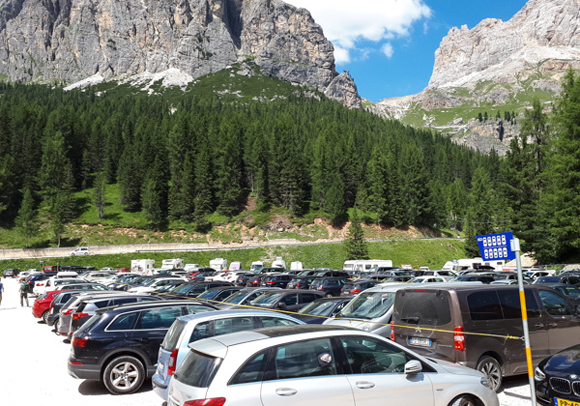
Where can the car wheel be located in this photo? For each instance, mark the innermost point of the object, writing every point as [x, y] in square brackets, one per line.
[328, 295]
[56, 326]
[123, 375]
[45, 317]
[491, 368]
[463, 400]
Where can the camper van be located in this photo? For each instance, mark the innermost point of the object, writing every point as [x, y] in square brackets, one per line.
[365, 265]
[191, 267]
[256, 266]
[235, 266]
[279, 263]
[296, 266]
[458, 265]
[219, 264]
[172, 263]
[143, 266]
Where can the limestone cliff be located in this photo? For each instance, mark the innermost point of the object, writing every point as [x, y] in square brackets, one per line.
[71, 40]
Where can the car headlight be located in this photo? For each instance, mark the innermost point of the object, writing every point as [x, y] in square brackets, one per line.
[484, 381]
[539, 375]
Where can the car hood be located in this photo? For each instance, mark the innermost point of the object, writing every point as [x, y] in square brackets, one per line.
[564, 363]
[456, 368]
[355, 323]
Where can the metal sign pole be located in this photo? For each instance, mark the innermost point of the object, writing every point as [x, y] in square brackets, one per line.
[515, 247]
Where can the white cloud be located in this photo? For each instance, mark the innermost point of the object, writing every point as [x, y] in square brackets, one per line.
[387, 50]
[346, 22]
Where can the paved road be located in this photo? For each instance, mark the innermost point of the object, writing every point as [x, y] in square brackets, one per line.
[33, 367]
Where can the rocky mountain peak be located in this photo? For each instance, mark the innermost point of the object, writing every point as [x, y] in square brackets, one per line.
[71, 40]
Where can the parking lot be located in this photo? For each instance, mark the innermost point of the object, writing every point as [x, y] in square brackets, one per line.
[34, 366]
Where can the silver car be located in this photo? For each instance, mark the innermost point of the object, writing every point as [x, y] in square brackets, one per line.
[187, 329]
[319, 365]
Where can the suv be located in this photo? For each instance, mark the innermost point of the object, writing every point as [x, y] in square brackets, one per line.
[119, 346]
[432, 320]
[11, 272]
[188, 329]
[277, 281]
[330, 286]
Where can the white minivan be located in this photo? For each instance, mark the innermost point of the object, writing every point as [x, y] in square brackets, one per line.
[80, 251]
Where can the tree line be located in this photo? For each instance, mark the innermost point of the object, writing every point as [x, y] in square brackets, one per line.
[184, 159]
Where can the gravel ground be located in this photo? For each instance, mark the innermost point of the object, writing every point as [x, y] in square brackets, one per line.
[34, 367]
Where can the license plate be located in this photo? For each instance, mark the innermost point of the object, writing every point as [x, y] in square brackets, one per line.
[564, 402]
[422, 342]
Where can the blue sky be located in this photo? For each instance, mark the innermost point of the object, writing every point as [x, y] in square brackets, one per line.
[388, 46]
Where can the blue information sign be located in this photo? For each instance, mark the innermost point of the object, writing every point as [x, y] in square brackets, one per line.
[496, 246]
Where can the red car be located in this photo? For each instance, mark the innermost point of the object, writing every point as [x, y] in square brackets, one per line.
[121, 270]
[41, 306]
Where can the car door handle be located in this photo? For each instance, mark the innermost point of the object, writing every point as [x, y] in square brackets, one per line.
[553, 324]
[365, 385]
[286, 391]
[539, 325]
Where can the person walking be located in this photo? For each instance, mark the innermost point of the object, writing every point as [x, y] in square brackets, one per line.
[1, 291]
[24, 289]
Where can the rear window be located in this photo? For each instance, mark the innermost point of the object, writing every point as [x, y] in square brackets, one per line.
[89, 324]
[197, 369]
[170, 341]
[424, 308]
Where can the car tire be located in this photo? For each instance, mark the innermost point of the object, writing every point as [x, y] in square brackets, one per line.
[45, 317]
[56, 326]
[491, 368]
[123, 375]
[464, 400]
[328, 295]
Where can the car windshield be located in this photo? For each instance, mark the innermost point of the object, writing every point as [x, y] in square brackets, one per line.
[150, 282]
[170, 341]
[322, 308]
[208, 294]
[181, 289]
[266, 299]
[569, 290]
[369, 305]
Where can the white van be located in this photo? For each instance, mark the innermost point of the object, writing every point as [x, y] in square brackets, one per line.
[79, 251]
[143, 266]
[219, 264]
[364, 265]
[256, 266]
[172, 263]
[279, 263]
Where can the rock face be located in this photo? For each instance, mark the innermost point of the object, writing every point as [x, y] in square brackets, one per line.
[71, 40]
[542, 38]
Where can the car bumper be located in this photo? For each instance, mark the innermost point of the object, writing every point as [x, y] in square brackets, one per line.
[160, 387]
[84, 371]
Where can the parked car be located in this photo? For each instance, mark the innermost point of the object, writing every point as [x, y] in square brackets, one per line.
[566, 279]
[188, 329]
[427, 279]
[553, 325]
[317, 365]
[243, 297]
[286, 299]
[556, 378]
[277, 281]
[242, 279]
[256, 280]
[152, 285]
[446, 275]
[300, 282]
[196, 288]
[329, 286]
[52, 283]
[475, 277]
[58, 301]
[11, 273]
[218, 294]
[200, 273]
[355, 287]
[119, 346]
[80, 309]
[322, 309]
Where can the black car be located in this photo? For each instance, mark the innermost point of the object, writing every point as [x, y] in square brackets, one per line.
[474, 277]
[330, 286]
[566, 279]
[200, 273]
[11, 273]
[284, 299]
[557, 378]
[300, 282]
[195, 289]
[119, 345]
[322, 309]
[277, 281]
[355, 287]
[256, 281]
[243, 278]
[218, 294]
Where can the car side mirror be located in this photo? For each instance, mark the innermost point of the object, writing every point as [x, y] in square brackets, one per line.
[413, 367]
[281, 305]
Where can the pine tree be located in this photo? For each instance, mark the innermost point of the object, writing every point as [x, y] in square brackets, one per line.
[479, 117]
[335, 200]
[26, 216]
[155, 194]
[99, 193]
[378, 182]
[480, 212]
[355, 244]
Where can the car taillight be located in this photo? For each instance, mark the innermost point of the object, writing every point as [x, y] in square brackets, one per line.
[297, 286]
[77, 316]
[270, 283]
[39, 284]
[206, 402]
[67, 312]
[459, 338]
[355, 291]
[79, 342]
[172, 362]
[392, 331]
[320, 288]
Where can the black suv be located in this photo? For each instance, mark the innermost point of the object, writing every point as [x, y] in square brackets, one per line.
[277, 281]
[329, 286]
[119, 345]
[194, 289]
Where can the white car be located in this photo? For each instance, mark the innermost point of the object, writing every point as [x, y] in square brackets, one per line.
[310, 365]
[46, 285]
[426, 279]
[154, 284]
[79, 251]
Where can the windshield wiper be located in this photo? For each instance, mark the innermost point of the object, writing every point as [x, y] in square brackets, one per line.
[410, 320]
